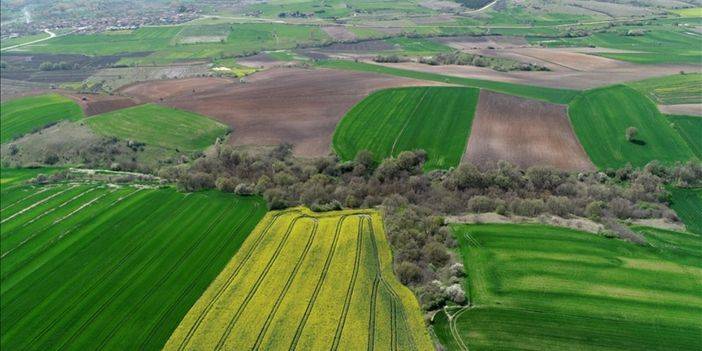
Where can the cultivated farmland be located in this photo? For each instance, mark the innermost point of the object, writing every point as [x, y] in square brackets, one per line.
[672, 90]
[523, 132]
[24, 115]
[306, 281]
[435, 119]
[600, 118]
[161, 126]
[687, 203]
[538, 287]
[690, 129]
[89, 266]
[299, 106]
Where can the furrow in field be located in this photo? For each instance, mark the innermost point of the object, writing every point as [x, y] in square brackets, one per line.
[187, 253]
[253, 209]
[318, 286]
[103, 277]
[256, 285]
[123, 287]
[350, 289]
[203, 314]
[288, 283]
[36, 204]
[24, 199]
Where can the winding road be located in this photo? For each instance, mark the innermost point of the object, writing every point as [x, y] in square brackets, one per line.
[50, 33]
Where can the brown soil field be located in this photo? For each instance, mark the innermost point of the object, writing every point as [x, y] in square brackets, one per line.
[483, 42]
[261, 60]
[558, 78]
[523, 132]
[300, 106]
[95, 104]
[339, 33]
[158, 90]
[12, 89]
[684, 109]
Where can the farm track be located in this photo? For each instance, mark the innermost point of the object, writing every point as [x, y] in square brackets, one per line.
[257, 284]
[224, 287]
[136, 273]
[35, 205]
[288, 283]
[191, 285]
[167, 275]
[318, 286]
[349, 291]
[95, 284]
[24, 199]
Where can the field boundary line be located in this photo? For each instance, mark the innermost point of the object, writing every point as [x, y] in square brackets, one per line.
[349, 290]
[288, 283]
[318, 287]
[235, 318]
[58, 207]
[37, 204]
[152, 331]
[228, 282]
[165, 277]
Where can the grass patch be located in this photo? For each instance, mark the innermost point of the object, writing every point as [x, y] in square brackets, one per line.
[538, 287]
[690, 12]
[307, 281]
[687, 203]
[24, 115]
[92, 266]
[161, 126]
[557, 96]
[600, 118]
[672, 90]
[690, 129]
[435, 119]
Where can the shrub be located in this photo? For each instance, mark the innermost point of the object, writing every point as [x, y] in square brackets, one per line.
[631, 133]
[409, 273]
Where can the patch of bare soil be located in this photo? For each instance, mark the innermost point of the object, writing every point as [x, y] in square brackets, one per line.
[158, 90]
[261, 60]
[576, 223]
[683, 109]
[560, 77]
[524, 132]
[482, 42]
[339, 33]
[300, 106]
[360, 47]
[95, 104]
[12, 89]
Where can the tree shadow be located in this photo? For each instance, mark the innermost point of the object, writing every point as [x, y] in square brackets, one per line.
[638, 142]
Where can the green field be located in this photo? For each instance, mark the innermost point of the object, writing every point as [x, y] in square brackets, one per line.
[21, 40]
[161, 126]
[307, 281]
[600, 118]
[387, 122]
[690, 12]
[659, 43]
[536, 287]
[89, 266]
[672, 90]
[24, 115]
[690, 129]
[687, 203]
[556, 96]
[12, 177]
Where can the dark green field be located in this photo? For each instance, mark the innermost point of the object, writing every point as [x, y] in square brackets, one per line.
[161, 126]
[600, 118]
[690, 129]
[24, 115]
[687, 203]
[87, 266]
[556, 96]
[535, 287]
[435, 119]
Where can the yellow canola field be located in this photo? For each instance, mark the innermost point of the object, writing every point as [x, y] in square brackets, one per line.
[307, 281]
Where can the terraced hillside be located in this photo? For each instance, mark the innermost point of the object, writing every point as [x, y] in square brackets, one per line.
[535, 287]
[600, 118]
[435, 119]
[161, 126]
[24, 115]
[89, 266]
[306, 281]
